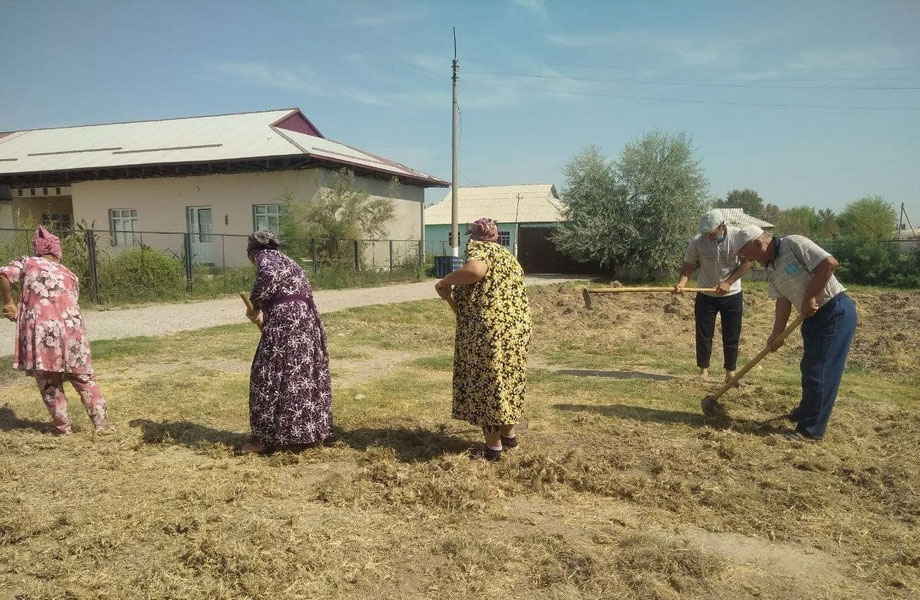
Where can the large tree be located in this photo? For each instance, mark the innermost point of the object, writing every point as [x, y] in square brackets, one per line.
[637, 212]
[869, 218]
[801, 220]
[747, 199]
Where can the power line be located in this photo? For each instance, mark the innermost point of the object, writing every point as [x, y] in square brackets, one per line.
[715, 102]
[692, 68]
[690, 83]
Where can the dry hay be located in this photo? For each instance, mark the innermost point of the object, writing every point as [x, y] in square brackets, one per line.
[887, 338]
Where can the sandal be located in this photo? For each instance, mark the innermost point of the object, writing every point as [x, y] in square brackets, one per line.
[509, 442]
[492, 455]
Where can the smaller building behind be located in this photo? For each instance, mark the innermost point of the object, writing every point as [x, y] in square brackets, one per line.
[526, 216]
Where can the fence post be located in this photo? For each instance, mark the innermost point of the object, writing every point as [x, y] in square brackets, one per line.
[91, 266]
[187, 244]
[313, 249]
[356, 255]
[391, 256]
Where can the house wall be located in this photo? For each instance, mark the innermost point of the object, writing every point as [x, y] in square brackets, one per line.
[162, 203]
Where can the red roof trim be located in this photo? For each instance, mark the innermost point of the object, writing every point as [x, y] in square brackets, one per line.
[298, 122]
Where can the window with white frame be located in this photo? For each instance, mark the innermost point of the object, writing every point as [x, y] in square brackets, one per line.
[267, 217]
[504, 238]
[123, 225]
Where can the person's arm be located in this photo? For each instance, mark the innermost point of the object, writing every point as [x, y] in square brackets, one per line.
[783, 310]
[10, 310]
[685, 272]
[819, 278]
[725, 285]
[470, 273]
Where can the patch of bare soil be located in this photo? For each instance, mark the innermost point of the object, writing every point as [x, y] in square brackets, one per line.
[352, 372]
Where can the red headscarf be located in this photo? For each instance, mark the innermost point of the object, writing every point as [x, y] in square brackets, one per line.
[483, 230]
[45, 242]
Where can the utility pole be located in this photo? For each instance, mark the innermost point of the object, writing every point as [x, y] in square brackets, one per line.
[517, 225]
[454, 193]
[900, 220]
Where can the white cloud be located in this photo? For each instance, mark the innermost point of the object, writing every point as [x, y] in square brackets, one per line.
[305, 80]
[537, 7]
[390, 19]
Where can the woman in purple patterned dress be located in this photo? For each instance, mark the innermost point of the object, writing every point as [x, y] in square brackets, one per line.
[290, 389]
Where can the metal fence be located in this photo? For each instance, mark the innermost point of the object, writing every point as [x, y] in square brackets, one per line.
[125, 266]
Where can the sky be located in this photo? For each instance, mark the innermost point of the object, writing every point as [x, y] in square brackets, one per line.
[809, 103]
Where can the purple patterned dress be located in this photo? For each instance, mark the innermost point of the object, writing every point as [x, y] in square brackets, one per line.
[290, 389]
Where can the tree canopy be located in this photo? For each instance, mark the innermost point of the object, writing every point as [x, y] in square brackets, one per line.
[747, 199]
[638, 211]
[869, 218]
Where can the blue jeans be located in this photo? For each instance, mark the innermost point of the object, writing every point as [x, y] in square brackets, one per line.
[826, 336]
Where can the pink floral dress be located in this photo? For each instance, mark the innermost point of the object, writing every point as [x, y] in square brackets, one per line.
[51, 337]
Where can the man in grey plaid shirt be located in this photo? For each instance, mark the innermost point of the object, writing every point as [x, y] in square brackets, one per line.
[801, 274]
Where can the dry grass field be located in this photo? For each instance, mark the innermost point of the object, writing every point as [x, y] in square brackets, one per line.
[620, 488]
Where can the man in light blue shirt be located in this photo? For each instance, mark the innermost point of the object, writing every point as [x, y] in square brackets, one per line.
[801, 275]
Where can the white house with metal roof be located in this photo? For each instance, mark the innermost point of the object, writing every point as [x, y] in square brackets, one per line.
[738, 218]
[526, 215]
[219, 174]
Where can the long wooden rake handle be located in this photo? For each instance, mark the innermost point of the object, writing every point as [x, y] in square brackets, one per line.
[750, 365]
[623, 290]
[586, 293]
[249, 305]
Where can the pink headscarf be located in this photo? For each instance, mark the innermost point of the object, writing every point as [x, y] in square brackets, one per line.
[483, 230]
[45, 242]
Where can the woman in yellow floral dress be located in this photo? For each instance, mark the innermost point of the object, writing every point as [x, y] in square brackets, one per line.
[493, 333]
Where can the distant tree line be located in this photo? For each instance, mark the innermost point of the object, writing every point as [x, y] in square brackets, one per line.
[639, 211]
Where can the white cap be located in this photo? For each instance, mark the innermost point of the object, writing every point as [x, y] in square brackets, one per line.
[710, 221]
[745, 235]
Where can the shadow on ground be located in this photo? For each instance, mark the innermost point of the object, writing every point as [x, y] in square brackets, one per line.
[615, 374]
[186, 433]
[9, 422]
[409, 444]
[655, 415]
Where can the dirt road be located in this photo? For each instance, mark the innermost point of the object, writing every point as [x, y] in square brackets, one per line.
[168, 318]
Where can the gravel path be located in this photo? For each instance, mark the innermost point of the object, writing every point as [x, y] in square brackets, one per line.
[168, 318]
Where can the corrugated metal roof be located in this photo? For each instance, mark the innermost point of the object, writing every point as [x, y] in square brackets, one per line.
[737, 217]
[529, 203]
[239, 136]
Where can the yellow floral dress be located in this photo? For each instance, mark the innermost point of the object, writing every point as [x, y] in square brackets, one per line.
[493, 333]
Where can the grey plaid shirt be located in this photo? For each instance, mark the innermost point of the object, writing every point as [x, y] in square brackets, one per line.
[791, 271]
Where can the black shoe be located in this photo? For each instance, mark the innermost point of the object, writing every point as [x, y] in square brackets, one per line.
[509, 442]
[492, 455]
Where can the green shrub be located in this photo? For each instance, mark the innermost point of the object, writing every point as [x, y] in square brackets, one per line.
[140, 274]
[872, 262]
[210, 283]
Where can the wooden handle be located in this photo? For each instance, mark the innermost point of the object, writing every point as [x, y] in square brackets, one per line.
[623, 290]
[729, 384]
[249, 305]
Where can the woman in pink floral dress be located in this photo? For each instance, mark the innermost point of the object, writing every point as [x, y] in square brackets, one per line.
[51, 341]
